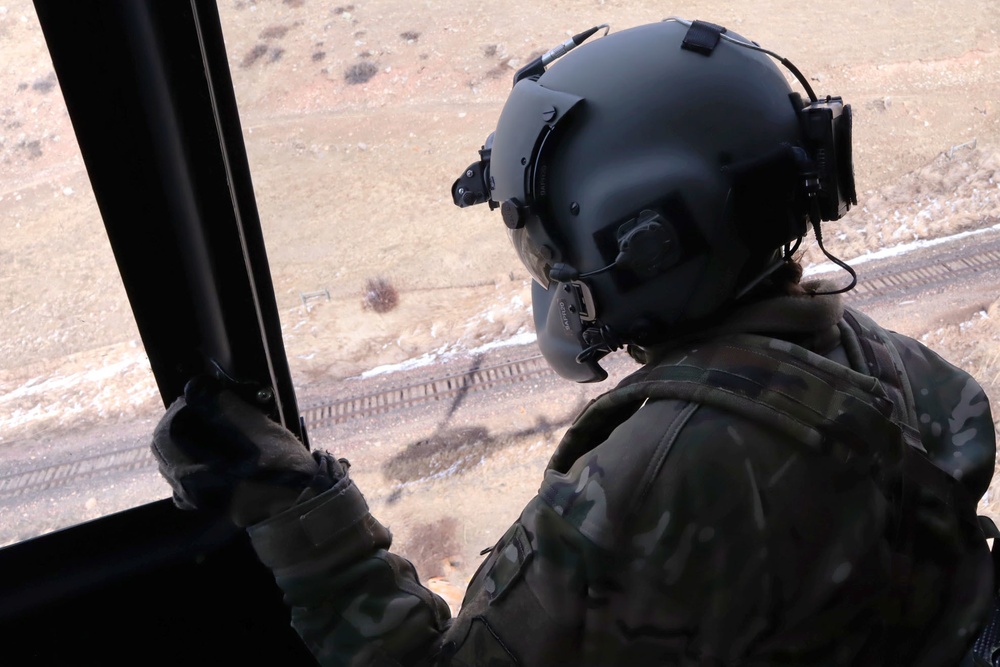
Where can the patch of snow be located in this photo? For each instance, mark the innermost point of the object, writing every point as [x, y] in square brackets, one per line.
[893, 251]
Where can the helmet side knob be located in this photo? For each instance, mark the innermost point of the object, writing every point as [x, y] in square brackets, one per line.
[514, 213]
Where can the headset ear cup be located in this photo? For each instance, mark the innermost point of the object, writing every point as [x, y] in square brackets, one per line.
[845, 155]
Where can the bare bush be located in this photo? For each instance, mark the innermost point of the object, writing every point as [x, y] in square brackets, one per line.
[45, 84]
[252, 56]
[33, 148]
[360, 72]
[275, 31]
[380, 295]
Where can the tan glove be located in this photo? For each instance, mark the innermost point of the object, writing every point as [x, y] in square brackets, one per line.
[221, 454]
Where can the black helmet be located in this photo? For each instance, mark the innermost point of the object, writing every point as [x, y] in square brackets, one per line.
[649, 177]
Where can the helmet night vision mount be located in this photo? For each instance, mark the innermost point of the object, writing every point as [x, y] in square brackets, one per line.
[643, 180]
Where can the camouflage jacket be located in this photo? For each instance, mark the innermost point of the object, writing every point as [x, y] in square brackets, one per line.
[687, 531]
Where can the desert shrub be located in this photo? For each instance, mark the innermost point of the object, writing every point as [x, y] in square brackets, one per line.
[33, 148]
[360, 72]
[380, 295]
[294, 3]
[45, 84]
[252, 56]
[275, 31]
[276, 55]
[318, 55]
[410, 36]
[342, 9]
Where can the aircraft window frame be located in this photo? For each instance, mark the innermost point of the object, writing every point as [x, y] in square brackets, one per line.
[178, 208]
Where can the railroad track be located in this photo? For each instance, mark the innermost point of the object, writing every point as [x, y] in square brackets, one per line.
[878, 282]
[946, 267]
[316, 417]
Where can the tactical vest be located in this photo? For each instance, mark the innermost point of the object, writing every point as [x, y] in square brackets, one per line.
[933, 526]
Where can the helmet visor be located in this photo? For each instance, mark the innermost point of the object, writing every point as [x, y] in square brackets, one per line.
[534, 258]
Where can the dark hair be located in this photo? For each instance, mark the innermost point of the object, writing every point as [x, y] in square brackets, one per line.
[787, 278]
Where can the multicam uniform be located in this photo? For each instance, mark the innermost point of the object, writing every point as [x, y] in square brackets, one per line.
[677, 525]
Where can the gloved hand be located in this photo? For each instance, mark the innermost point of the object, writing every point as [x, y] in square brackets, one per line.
[221, 454]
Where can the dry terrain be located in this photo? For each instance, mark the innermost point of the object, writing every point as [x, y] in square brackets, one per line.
[357, 119]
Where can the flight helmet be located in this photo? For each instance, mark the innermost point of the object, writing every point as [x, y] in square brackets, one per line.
[649, 178]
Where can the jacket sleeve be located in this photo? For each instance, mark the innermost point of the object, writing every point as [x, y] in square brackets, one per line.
[953, 415]
[353, 602]
[687, 537]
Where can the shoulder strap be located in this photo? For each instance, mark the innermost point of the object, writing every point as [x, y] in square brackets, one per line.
[810, 398]
[884, 364]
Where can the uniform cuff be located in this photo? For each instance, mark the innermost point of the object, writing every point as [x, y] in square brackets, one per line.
[302, 530]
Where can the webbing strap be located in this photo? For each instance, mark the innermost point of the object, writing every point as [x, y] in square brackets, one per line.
[702, 37]
[811, 399]
[885, 364]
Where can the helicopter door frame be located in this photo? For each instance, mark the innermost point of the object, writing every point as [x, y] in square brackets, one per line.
[150, 96]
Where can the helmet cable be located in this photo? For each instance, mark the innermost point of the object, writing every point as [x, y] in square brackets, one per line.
[839, 262]
[537, 66]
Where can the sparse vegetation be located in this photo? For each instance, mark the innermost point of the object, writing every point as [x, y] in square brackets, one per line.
[343, 9]
[22, 86]
[33, 148]
[294, 3]
[490, 50]
[253, 55]
[45, 84]
[409, 36]
[360, 72]
[8, 119]
[380, 295]
[318, 55]
[275, 31]
[276, 54]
